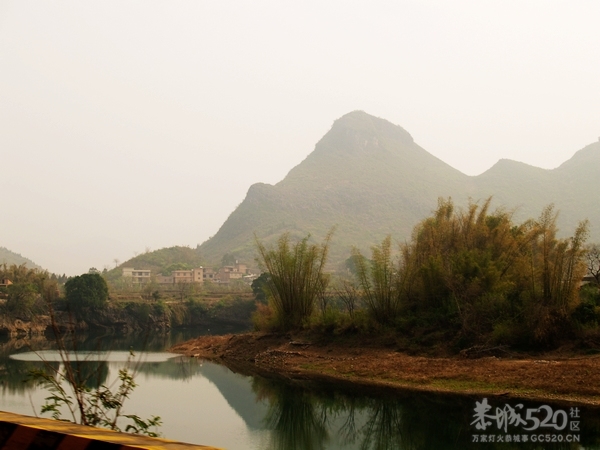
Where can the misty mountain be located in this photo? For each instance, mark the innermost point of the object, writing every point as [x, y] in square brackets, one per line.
[9, 258]
[573, 187]
[368, 177]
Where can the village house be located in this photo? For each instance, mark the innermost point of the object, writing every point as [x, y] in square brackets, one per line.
[224, 275]
[188, 276]
[227, 274]
[209, 274]
[164, 279]
[139, 276]
[588, 279]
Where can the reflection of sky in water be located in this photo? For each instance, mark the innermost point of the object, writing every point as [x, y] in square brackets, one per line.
[191, 406]
[205, 403]
[109, 356]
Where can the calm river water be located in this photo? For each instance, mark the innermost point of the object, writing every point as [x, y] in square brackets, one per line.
[205, 403]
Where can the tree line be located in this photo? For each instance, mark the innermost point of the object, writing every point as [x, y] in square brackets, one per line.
[468, 277]
[32, 291]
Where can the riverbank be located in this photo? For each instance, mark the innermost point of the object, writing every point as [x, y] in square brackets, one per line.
[135, 316]
[363, 363]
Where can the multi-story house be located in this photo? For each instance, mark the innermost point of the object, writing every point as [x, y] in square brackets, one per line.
[209, 274]
[227, 274]
[199, 275]
[188, 276]
[139, 276]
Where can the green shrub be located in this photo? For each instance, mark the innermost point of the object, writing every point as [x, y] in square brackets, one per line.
[585, 314]
[141, 312]
[196, 308]
[160, 308]
[330, 320]
[590, 293]
[264, 319]
[503, 333]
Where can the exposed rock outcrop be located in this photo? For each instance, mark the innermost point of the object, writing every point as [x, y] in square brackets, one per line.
[19, 328]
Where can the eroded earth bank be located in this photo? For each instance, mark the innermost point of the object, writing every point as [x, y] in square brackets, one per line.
[356, 361]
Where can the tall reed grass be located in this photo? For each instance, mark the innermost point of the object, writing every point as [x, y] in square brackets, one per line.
[297, 279]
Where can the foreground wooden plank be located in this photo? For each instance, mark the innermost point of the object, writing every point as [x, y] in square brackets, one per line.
[19, 432]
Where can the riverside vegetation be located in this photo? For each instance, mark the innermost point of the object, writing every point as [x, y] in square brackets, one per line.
[74, 388]
[71, 385]
[468, 280]
[120, 308]
[433, 314]
[35, 304]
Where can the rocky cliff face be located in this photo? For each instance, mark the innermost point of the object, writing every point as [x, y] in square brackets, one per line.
[112, 320]
[131, 318]
[14, 328]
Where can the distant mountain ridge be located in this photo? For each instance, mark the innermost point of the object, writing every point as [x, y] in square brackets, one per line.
[9, 258]
[369, 177]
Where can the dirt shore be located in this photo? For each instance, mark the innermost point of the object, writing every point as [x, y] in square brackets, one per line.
[364, 364]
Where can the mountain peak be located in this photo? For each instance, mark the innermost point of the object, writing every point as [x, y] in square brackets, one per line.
[510, 167]
[360, 147]
[361, 122]
[587, 157]
[369, 177]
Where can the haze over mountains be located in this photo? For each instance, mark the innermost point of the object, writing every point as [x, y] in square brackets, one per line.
[369, 178]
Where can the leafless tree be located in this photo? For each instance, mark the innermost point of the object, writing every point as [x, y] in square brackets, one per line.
[349, 294]
[592, 258]
[183, 289]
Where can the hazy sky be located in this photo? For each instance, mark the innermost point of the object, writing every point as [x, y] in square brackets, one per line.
[127, 125]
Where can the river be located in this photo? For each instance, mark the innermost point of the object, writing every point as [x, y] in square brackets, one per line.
[205, 403]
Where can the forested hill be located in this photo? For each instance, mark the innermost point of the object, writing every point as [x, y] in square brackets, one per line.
[9, 258]
[370, 178]
[161, 261]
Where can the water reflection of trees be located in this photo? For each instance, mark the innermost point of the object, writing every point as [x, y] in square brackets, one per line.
[297, 421]
[90, 373]
[91, 370]
[179, 368]
[306, 418]
[14, 376]
[313, 418]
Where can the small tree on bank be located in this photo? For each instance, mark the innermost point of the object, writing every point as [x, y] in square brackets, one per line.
[296, 278]
[77, 388]
[86, 291]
